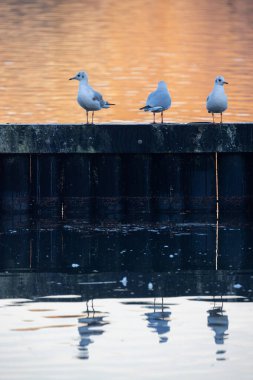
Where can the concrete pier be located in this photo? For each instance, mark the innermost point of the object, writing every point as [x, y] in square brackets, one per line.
[126, 138]
[86, 170]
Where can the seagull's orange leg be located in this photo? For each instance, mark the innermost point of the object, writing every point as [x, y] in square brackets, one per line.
[162, 117]
[87, 117]
[213, 117]
[92, 117]
[221, 118]
[154, 117]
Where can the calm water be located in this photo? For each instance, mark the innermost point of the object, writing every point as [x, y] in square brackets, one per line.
[114, 301]
[126, 47]
[186, 339]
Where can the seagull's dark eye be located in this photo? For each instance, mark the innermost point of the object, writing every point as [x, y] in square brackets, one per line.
[78, 75]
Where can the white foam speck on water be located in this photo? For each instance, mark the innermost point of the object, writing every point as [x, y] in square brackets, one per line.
[237, 286]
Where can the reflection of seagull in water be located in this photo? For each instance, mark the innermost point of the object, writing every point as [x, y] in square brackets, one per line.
[92, 324]
[218, 322]
[88, 98]
[158, 101]
[158, 321]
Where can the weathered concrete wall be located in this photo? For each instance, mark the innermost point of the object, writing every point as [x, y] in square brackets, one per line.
[126, 138]
[99, 184]
[87, 171]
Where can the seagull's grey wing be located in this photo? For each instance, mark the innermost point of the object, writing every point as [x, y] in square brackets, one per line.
[208, 101]
[159, 99]
[97, 96]
[150, 98]
[103, 103]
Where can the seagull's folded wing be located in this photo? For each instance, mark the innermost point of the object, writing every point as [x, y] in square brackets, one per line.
[159, 99]
[156, 109]
[97, 96]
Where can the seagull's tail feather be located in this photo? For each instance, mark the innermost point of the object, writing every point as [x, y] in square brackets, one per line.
[107, 105]
[152, 109]
[145, 108]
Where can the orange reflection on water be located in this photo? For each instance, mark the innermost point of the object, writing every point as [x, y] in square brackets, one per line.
[126, 48]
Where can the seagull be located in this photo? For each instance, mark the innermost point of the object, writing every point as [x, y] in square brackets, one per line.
[88, 98]
[217, 101]
[158, 101]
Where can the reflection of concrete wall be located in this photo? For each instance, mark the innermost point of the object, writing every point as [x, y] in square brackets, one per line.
[107, 285]
[235, 248]
[118, 248]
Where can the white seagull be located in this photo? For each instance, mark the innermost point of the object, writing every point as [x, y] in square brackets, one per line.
[88, 98]
[217, 101]
[158, 101]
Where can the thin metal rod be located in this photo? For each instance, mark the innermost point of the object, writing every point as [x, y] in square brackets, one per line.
[217, 244]
[217, 185]
[217, 211]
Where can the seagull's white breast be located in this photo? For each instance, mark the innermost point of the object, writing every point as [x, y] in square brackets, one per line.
[217, 101]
